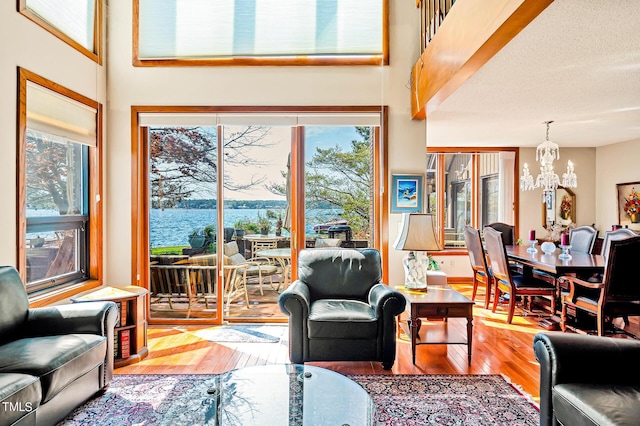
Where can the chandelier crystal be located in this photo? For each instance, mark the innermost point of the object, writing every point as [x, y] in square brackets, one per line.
[546, 153]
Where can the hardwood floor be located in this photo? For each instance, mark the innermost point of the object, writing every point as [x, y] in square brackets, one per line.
[498, 348]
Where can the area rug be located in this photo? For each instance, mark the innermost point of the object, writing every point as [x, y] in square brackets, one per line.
[399, 399]
[243, 333]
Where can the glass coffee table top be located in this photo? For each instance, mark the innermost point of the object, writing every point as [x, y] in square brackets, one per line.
[287, 395]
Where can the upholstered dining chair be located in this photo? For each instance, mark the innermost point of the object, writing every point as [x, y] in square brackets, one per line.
[508, 232]
[505, 281]
[582, 238]
[617, 295]
[339, 310]
[618, 234]
[481, 271]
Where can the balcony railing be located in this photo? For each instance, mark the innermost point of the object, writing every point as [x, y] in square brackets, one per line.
[432, 14]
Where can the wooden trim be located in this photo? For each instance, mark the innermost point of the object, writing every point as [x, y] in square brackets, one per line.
[297, 60]
[462, 150]
[136, 155]
[381, 158]
[475, 190]
[297, 199]
[63, 294]
[96, 55]
[95, 175]
[472, 33]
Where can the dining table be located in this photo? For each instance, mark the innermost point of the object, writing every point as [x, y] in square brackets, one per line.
[283, 257]
[577, 264]
[551, 266]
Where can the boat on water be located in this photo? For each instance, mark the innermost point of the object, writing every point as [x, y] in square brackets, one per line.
[324, 227]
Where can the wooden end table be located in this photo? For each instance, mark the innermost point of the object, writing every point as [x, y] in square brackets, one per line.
[439, 302]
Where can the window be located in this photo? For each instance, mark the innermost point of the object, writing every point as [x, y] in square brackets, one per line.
[58, 178]
[76, 22]
[266, 32]
[470, 188]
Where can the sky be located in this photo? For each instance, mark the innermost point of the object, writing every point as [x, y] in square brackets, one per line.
[274, 157]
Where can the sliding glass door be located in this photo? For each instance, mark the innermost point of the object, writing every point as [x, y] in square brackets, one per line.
[229, 205]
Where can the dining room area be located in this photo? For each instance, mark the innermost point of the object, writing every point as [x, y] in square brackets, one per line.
[582, 283]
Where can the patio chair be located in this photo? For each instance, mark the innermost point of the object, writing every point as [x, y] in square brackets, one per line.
[260, 267]
[506, 281]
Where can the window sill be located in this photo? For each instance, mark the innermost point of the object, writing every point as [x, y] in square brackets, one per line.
[50, 297]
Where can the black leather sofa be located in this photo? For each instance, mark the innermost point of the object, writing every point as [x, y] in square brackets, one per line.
[588, 380]
[52, 359]
[339, 310]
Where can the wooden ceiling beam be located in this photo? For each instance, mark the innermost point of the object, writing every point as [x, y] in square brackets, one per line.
[471, 34]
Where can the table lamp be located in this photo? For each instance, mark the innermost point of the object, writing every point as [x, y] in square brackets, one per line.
[417, 235]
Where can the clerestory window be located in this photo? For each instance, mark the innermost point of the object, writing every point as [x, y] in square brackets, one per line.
[260, 32]
[76, 22]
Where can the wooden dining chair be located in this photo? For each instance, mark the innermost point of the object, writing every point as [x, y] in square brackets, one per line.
[505, 281]
[508, 232]
[481, 271]
[617, 295]
[582, 238]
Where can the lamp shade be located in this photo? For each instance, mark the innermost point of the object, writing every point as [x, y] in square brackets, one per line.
[417, 233]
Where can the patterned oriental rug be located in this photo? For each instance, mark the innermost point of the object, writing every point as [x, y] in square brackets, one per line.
[399, 399]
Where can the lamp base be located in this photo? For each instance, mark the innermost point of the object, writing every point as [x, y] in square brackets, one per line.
[415, 271]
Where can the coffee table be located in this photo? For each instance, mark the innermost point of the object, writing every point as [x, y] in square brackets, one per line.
[439, 302]
[288, 394]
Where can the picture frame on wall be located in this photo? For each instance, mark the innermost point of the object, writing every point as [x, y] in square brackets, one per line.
[407, 193]
[629, 204]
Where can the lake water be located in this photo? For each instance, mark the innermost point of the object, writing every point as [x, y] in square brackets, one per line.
[171, 227]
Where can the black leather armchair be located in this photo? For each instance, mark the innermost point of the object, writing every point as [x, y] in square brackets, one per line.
[338, 309]
[52, 359]
[588, 380]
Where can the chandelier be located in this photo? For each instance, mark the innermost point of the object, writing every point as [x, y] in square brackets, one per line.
[546, 153]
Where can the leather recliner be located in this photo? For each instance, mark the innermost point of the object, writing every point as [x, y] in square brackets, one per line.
[52, 359]
[339, 310]
[588, 380]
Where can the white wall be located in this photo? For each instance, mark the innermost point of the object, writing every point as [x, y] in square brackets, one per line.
[25, 44]
[584, 159]
[615, 164]
[247, 86]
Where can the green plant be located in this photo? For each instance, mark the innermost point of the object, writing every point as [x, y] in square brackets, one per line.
[433, 264]
[264, 222]
[195, 232]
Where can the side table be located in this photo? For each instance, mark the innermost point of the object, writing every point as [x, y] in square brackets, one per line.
[130, 337]
[441, 302]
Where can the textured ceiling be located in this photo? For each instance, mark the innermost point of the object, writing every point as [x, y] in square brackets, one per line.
[577, 63]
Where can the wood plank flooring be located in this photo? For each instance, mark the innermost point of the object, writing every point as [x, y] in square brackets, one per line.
[498, 348]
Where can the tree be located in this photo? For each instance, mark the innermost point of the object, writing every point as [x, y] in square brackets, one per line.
[54, 173]
[343, 179]
[184, 160]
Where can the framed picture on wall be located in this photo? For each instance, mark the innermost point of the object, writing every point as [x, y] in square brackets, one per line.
[407, 193]
[629, 204]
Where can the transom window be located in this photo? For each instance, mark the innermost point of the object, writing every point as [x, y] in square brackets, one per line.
[266, 31]
[76, 22]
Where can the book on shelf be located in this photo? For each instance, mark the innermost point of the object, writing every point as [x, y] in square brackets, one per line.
[123, 313]
[116, 344]
[125, 346]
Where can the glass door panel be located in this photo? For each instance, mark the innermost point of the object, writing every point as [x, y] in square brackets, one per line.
[255, 215]
[183, 165]
[339, 186]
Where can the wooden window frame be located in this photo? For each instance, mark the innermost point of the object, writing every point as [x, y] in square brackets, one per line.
[294, 60]
[95, 232]
[140, 190]
[475, 187]
[95, 55]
